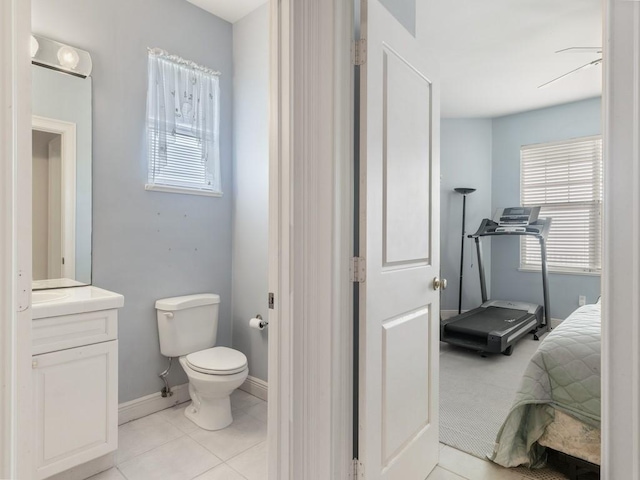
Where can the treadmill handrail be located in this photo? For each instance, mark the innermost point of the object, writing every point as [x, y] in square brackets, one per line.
[539, 228]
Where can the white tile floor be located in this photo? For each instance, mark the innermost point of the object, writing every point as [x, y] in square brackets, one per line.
[457, 465]
[168, 446]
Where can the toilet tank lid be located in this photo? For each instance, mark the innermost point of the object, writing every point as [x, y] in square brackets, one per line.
[187, 301]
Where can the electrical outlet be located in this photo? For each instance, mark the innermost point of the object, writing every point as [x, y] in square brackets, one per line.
[582, 300]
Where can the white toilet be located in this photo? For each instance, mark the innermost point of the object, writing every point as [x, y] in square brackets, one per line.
[188, 327]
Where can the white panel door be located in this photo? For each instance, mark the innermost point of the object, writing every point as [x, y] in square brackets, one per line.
[399, 238]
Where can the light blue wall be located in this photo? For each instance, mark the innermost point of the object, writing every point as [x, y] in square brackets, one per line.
[251, 185]
[562, 122]
[65, 97]
[465, 153]
[147, 245]
[404, 11]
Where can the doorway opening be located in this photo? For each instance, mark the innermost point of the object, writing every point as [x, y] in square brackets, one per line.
[485, 142]
[54, 200]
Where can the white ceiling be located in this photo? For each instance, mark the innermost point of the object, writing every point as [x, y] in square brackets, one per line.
[493, 54]
[229, 10]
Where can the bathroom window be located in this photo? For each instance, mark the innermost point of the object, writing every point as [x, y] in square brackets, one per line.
[183, 115]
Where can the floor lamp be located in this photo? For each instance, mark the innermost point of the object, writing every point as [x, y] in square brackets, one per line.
[464, 192]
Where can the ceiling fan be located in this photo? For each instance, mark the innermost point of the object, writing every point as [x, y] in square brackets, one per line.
[592, 50]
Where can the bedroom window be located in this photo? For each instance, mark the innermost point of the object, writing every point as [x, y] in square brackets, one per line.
[565, 179]
[183, 111]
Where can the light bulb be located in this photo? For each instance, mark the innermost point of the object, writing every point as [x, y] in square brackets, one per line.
[34, 46]
[68, 57]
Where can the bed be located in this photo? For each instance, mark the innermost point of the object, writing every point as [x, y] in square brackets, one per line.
[558, 402]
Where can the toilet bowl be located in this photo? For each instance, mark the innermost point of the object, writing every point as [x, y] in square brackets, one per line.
[213, 376]
[187, 328]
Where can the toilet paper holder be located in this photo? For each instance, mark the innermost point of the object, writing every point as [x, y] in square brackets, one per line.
[263, 323]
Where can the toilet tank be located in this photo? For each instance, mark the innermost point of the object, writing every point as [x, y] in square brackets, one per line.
[187, 324]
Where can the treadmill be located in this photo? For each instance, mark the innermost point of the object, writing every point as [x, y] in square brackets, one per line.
[496, 325]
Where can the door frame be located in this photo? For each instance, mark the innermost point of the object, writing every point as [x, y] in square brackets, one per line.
[15, 240]
[621, 259]
[310, 240]
[298, 404]
[67, 132]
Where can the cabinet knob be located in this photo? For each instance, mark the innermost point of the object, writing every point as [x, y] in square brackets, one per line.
[34, 364]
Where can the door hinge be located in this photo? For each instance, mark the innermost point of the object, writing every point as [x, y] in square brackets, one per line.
[271, 301]
[358, 470]
[24, 291]
[359, 51]
[357, 269]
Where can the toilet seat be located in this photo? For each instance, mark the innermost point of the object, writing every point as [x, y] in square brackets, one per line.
[217, 361]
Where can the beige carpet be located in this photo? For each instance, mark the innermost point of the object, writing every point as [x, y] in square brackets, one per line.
[475, 396]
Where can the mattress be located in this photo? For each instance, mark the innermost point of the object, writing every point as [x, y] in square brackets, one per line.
[562, 376]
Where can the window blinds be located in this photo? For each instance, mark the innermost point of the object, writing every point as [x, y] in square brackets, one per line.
[184, 167]
[565, 179]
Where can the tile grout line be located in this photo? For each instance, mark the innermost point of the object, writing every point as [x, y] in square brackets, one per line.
[245, 451]
[451, 471]
[217, 466]
[167, 421]
[182, 434]
[234, 455]
[236, 471]
[121, 472]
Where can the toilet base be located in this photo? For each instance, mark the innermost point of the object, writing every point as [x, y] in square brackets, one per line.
[210, 407]
[216, 416]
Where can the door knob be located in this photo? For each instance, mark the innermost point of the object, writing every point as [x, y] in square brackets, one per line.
[439, 284]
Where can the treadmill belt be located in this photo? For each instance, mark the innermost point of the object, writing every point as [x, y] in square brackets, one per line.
[482, 321]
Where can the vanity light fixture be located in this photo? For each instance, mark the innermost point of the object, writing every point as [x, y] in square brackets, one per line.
[58, 56]
[68, 57]
[34, 46]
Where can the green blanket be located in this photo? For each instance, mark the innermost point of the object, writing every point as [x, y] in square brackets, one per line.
[563, 374]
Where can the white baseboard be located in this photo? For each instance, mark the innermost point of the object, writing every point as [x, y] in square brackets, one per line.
[89, 469]
[143, 406]
[256, 387]
[447, 314]
[556, 321]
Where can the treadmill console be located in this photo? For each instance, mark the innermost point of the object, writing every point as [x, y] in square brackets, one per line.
[515, 219]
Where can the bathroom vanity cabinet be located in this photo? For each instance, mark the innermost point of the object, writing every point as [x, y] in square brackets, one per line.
[75, 378]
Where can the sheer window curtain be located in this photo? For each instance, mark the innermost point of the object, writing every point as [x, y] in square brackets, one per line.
[183, 99]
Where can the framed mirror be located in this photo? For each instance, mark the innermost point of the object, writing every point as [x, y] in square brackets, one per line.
[61, 108]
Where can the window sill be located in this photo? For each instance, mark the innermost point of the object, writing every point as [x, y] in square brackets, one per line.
[560, 272]
[184, 190]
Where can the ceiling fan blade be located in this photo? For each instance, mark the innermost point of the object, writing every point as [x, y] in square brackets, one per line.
[586, 65]
[581, 50]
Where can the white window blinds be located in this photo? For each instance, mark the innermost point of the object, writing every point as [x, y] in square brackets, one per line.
[565, 179]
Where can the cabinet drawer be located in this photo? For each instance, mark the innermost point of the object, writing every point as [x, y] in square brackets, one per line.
[59, 333]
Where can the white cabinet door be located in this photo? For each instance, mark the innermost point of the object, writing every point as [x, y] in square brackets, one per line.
[76, 406]
[399, 237]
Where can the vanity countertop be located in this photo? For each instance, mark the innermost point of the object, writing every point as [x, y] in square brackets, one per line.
[72, 300]
[49, 284]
